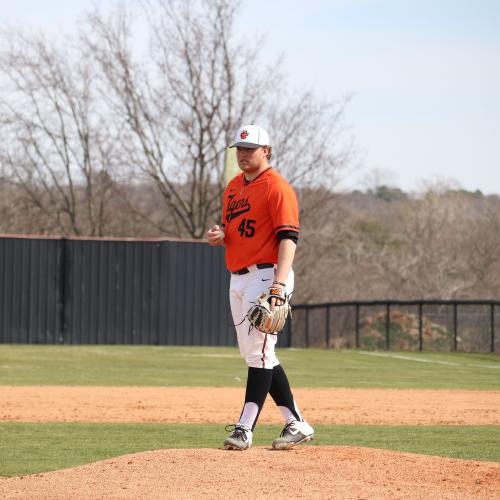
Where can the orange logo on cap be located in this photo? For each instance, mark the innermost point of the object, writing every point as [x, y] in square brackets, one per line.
[244, 134]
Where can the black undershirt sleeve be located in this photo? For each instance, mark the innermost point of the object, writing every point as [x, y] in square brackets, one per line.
[288, 235]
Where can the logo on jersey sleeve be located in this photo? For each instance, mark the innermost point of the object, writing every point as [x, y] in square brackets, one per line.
[235, 208]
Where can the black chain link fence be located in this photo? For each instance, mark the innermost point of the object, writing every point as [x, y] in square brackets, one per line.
[447, 325]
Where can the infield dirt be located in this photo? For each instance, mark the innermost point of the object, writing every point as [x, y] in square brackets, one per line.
[222, 405]
[315, 472]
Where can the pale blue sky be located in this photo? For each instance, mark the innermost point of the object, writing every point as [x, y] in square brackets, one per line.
[425, 76]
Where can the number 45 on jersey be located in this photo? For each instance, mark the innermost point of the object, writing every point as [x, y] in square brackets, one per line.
[247, 228]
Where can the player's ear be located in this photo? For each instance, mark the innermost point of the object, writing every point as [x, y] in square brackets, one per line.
[267, 152]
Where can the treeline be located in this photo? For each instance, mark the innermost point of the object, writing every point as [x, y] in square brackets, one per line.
[383, 243]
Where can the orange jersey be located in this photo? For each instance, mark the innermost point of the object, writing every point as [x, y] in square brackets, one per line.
[252, 215]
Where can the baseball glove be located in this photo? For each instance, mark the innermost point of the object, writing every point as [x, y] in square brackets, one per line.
[266, 320]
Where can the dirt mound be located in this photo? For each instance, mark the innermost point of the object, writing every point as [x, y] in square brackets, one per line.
[223, 405]
[306, 472]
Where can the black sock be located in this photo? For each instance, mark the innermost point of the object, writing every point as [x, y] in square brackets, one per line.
[280, 390]
[258, 384]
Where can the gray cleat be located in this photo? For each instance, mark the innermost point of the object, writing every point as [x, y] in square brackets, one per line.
[239, 439]
[294, 433]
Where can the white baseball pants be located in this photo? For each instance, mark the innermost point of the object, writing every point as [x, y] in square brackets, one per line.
[256, 348]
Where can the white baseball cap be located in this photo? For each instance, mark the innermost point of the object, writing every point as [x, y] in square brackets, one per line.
[250, 136]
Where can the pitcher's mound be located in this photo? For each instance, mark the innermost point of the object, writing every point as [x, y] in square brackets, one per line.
[305, 472]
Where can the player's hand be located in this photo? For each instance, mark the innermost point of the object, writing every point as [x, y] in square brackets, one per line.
[275, 300]
[215, 236]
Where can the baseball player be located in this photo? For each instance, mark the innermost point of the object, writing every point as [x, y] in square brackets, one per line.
[260, 228]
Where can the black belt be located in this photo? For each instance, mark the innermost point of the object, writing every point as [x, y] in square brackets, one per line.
[245, 270]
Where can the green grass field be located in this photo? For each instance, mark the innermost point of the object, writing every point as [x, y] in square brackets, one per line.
[222, 367]
[28, 448]
[32, 448]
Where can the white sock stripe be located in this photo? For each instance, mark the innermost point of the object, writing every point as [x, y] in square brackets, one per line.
[249, 414]
[287, 414]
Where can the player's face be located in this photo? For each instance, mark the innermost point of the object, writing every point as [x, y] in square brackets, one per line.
[251, 160]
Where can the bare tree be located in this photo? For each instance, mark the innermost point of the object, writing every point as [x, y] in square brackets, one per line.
[57, 147]
[312, 149]
[438, 244]
[180, 102]
[480, 249]
[98, 112]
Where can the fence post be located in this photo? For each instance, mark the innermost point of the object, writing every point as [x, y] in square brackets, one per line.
[62, 293]
[492, 322]
[455, 325]
[420, 328]
[387, 325]
[357, 326]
